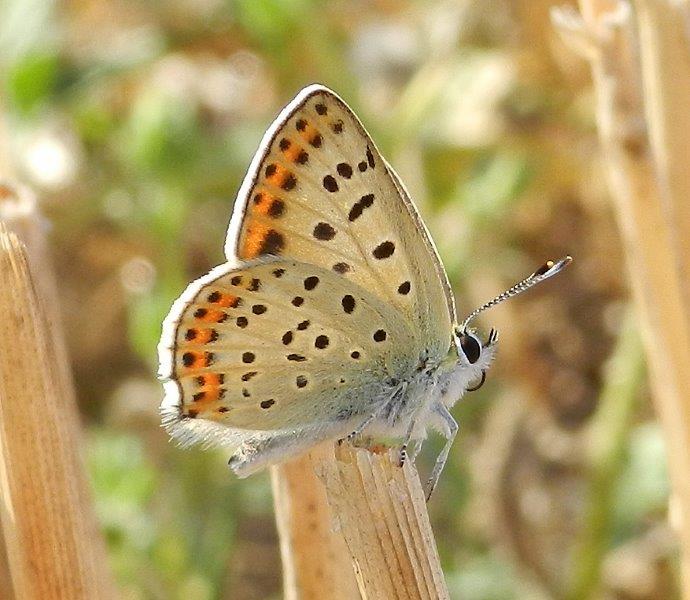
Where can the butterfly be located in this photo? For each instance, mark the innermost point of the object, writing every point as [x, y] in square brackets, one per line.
[333, 317]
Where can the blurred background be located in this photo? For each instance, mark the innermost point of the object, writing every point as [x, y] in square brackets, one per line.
[135, 121]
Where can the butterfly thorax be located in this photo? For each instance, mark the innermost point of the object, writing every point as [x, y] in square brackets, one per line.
[408, 412]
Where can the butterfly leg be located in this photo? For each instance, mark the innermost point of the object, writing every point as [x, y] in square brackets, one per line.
[364, 424]
[373, 416]
[402, 456]
[449, 428]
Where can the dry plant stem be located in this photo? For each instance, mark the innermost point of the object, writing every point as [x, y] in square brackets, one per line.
[6, 171]
[316, 561]
[54, 546]
[381, 513]
[648, 192]
[608, 437]
[19, 211]
[665, 53]
[664, 29]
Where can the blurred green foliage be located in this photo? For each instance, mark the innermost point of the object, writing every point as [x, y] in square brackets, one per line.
[32, 81]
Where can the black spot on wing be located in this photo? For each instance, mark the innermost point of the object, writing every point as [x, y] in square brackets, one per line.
[311, 282]
[341, 267]
[370, 158]
[276, 208]
[330, 184]
[273, 243]
[384, 250]
[358, 207]
[348, 303]
[344, 170]
[289, 182]
[324, 231]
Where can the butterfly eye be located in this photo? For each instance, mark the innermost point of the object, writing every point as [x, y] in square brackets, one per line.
[470, 347]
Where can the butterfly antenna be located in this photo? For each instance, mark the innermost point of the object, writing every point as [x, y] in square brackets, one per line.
[548, 269]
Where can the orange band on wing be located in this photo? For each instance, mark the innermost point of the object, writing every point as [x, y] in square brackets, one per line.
[226, 300]
[309, 133]
[260, 239]
[279, 176]
[210, 315]
[195, 359]
[201, 336]
[295, 153]
[210, 380]
[267, 204]
[207, 396]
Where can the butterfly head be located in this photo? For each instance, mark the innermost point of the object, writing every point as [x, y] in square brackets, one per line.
[475, 355]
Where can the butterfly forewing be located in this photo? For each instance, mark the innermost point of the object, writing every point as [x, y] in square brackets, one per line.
[280, 345]
[318, 191]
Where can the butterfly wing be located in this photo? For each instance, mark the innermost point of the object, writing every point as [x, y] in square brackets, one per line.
[276, 345]
[319, 191]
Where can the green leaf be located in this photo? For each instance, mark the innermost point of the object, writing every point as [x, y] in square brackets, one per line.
[32, 80]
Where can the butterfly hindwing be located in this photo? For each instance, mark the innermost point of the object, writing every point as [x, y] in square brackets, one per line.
[319, 191]
[278, 345]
